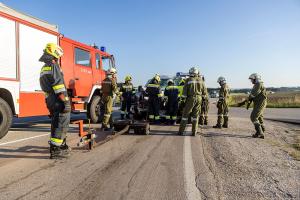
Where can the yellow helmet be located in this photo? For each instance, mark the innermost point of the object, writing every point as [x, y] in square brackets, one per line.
[157, 77]
[128, 78]
[54, 50]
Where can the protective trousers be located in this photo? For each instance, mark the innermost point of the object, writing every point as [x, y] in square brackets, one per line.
[222, 114]
[257, 114]
[204, 112]
[153, 108]
[172, 108]
[107, 118]
[125, 107]
[59, 120]
[193, 107]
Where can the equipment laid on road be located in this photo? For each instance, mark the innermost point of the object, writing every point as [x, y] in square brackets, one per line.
[139, 127]
[86, 137]
[24, 38]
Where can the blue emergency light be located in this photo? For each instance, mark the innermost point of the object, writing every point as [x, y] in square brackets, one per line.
[103, 49]
[181, 74]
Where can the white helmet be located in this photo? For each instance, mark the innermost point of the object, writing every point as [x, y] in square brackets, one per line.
[170, 81]
[255, 76]
[194, 71]
[112, 71]
[221, 80]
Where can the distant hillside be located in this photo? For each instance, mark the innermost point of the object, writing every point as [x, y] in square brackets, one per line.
[272, 89]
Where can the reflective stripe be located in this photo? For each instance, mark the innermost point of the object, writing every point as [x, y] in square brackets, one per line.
[59, 88]
[151, 116]
[157, 117]
[256, 122]
[193, 82]
[46, 68]
[127, 86]
[183, 96]
[194, 119]
[123, 112]
[171, 87]
[221, 115]
[174, 117]
[107, 115]
[153, 85]
[184, 119]
[160, 95]
[56, 141]
[45, 72]
[168, 117]
[107, 82]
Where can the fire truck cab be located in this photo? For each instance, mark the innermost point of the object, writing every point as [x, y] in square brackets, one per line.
[22, 39]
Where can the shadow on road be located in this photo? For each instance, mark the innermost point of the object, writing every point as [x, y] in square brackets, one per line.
[213, 134]
[164, 133]
[22, 151]
[32, 128]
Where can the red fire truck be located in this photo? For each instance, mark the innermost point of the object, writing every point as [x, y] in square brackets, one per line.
[22, 40]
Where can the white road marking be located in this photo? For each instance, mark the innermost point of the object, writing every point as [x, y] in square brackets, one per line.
[190, 187]
[20, 140]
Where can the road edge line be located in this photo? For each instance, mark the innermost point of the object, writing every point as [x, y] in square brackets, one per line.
[190, 187]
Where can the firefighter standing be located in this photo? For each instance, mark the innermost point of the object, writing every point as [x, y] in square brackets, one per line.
[127, 91]
[154, 94]
[181, 101]
[258, 96]
[57, 100]
[192, 91]
[204, 106]
[109, 88]
[222, 104]
[171, 92]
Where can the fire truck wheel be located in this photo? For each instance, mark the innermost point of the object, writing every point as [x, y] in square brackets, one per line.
[94, 109]
[5, 118]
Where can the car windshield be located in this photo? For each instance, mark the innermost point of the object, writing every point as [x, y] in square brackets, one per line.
[163, 83]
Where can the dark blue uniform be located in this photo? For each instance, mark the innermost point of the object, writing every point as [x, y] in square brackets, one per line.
[153, 92]
[171, 92]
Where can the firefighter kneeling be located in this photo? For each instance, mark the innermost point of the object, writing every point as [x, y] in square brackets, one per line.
[58, 103]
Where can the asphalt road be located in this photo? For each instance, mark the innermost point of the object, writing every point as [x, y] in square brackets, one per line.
[218, 164]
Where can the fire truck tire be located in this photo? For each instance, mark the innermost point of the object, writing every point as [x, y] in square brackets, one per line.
[5, 118]
[94, 109]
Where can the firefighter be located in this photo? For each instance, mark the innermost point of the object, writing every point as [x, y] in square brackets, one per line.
[171, 92]
[258, 96]
[109, 88]
[222, 104]
[154, 93]
[181, 101]
[57, 100]
[127, 92]
[192, 91]
[204, 106]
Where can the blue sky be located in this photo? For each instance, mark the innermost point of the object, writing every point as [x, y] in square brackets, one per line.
[232, 38]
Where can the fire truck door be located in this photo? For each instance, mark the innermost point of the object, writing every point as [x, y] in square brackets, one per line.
[83, 72]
